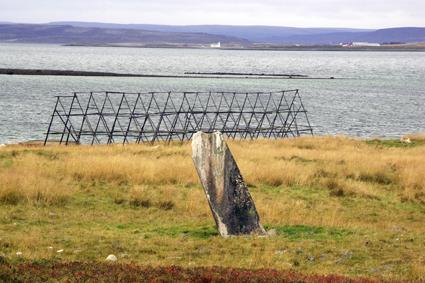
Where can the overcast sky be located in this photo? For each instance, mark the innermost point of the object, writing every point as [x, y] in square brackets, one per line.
[299, 13]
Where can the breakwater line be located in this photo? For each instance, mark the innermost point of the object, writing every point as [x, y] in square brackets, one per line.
[188, 75]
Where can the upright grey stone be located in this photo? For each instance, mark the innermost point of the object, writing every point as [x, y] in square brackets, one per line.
[230, 202]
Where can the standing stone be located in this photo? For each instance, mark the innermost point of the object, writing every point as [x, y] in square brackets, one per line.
[230, 202]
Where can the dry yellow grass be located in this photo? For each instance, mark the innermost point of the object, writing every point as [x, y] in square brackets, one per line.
[340, 164]
[326, 196]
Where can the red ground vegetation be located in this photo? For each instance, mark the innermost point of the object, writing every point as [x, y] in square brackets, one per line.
[103, 272]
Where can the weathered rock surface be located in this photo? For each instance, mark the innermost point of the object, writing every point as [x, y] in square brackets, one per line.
[228, 196]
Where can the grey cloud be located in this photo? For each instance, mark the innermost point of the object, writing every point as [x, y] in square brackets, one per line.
[312, 13]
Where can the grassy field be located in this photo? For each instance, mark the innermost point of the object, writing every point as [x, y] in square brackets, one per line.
[339, 206]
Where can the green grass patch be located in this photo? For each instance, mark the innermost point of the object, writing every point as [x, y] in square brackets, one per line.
[296, 232]
[394, 143]
[202, 232]
[309, 194]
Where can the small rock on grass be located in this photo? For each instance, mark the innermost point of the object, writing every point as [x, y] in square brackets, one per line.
[272, 233]
[111, 258]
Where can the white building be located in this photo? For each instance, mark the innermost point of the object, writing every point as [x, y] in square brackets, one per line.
[366, 44]
[216, 45]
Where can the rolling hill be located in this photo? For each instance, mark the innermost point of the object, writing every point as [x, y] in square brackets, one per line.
[404, 35]
[87, 33]
[66, 34]
[255, 34]
[281, 35]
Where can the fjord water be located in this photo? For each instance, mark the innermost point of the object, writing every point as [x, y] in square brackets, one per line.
[375, 94]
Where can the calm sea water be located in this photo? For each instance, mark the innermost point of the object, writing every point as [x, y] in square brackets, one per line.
[381, 94]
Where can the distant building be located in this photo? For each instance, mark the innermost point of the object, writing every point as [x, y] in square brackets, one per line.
[365, 44]
[216, 45]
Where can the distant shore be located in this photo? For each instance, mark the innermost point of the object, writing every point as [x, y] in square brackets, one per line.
[419, 47]
[266, 47]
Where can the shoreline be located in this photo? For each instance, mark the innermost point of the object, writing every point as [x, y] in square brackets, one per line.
[312, 48]
[319, 48]
[407, 139]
